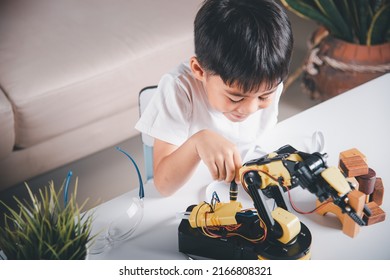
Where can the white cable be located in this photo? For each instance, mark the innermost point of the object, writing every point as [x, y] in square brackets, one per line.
[317, 142]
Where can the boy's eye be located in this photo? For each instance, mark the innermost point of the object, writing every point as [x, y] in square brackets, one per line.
[264, 98]
[239, 99]
[236, 100]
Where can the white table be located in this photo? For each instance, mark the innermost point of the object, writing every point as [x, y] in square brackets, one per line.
[356, 119]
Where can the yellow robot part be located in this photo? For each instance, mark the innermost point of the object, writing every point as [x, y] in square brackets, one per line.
[288, 222]
[336, 180]
[222, 215]
[271, 172]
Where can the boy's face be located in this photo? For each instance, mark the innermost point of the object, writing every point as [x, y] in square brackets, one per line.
[231, 101]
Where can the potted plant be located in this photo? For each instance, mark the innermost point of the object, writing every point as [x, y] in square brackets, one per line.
[45, 228]
[351, 46]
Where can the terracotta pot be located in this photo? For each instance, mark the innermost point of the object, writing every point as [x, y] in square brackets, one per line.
[335, 66]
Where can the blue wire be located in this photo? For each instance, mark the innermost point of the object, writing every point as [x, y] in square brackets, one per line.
[70, 173]
[141, 185]
[215, 195]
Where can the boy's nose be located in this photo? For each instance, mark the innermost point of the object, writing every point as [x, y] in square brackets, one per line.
[249, 107]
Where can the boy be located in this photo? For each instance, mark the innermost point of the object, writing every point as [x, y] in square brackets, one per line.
[216, 106]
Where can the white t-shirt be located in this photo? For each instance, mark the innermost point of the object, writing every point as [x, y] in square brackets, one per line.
[180, 108]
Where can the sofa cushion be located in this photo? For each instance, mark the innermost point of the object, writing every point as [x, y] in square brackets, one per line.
[7, 135]
[65, 64]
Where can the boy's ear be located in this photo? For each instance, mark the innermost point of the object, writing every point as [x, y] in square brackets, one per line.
[197, 69]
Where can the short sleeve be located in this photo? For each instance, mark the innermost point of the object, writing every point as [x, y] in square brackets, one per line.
[168, 114]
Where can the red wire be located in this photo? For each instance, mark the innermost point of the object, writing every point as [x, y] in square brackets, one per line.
[301, 211]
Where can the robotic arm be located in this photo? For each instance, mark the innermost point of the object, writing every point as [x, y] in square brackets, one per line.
[288, 168]
[281, 233]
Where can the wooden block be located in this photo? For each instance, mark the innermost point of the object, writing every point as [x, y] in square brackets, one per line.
[377, 214]
[357, 202]
[367, 182]
[377, 194]
[353, 166]
[353, 182]
[351, 153]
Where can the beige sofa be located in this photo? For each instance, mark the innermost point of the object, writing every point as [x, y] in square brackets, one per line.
[71, 71]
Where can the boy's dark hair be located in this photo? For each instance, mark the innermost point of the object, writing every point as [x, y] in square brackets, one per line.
[246, 42]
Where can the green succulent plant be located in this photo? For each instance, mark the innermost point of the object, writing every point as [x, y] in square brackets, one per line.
[45, 228]
[365, 22]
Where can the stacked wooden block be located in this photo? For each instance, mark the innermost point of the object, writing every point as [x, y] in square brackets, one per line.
[367, 193]
[354, 166]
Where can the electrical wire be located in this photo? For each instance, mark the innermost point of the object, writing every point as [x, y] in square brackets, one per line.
[289, 196]
[231, 230]
[302, 211]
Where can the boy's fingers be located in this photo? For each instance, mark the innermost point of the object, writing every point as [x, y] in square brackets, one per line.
[230, 170]
[213, 171]
[222, 171]
[238, 165]
[237, 178]
[219, 164]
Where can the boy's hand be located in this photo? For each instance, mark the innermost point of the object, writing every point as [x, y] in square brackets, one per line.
[219, 154]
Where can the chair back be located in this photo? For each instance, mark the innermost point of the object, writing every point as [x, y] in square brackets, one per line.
[144, 98]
